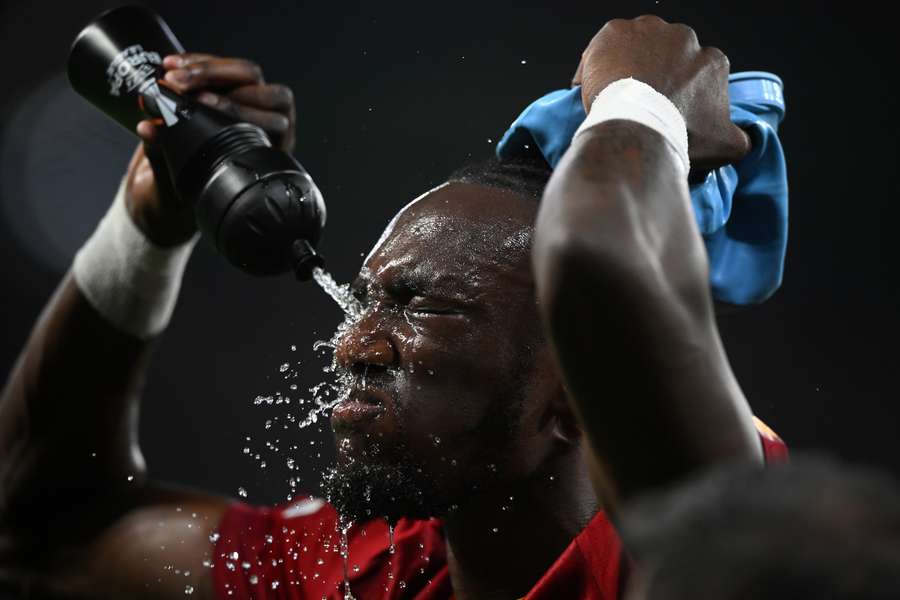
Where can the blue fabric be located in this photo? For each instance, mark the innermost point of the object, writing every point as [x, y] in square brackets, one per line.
[741, 209]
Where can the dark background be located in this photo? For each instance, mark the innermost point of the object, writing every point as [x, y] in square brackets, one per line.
[392, 96]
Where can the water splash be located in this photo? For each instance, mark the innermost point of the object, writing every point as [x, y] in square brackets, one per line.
[339, 293]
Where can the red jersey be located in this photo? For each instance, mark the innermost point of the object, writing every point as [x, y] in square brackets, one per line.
[295, 552]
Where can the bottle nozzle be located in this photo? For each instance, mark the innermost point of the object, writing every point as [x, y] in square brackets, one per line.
[305, 259]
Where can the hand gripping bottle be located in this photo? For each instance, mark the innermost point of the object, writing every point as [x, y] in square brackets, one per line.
[257, 204]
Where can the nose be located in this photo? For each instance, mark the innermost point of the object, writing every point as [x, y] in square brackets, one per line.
[366, 347]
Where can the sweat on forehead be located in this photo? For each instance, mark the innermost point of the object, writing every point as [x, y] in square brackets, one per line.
[464, 215]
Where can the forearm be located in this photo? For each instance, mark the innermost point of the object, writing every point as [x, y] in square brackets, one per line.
[621, 276]
[68, 414]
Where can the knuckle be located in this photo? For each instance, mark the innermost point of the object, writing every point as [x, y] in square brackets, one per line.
[199, 70]
[227, 106]
[685, 30]
[255, 70]
[717, 56]
[650, 20]
[613, 24]
[287, 93]
[282, 96]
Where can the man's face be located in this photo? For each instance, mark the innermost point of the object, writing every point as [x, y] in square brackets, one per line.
[451, 372]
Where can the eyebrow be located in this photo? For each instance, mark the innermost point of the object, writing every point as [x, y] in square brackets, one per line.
[408, 284]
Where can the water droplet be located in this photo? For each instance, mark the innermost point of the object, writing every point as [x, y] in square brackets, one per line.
[284, 367]
[293, 348]
[253, 579]
[242, 492]
[524, 62]
[246, 450]
[188, 589]
[275, 584]
[495, 530]
[131, 478]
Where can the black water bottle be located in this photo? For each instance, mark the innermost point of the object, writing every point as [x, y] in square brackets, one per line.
[256, 203]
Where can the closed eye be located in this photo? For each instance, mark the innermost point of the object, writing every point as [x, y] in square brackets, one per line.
[419, 305]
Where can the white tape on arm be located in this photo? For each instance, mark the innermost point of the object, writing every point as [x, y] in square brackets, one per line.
[634, 100]
[131, 282]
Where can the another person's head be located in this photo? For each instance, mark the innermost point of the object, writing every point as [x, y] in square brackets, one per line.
[451, 353]
[810, 529]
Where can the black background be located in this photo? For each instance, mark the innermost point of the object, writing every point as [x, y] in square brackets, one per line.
[391, 97]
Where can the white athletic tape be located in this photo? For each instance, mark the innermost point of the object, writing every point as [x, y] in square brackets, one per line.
[634, 100]
[131, 282]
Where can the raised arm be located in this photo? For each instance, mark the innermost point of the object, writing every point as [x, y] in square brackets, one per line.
[621, 269]
[78, 516]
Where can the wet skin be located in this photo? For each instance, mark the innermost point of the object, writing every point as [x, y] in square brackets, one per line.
[449, 358]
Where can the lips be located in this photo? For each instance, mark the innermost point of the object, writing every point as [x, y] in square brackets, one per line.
[361, 407]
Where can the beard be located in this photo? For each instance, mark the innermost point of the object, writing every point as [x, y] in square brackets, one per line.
[392, 483]
[361, 492]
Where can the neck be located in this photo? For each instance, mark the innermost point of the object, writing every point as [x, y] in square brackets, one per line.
[500, 545]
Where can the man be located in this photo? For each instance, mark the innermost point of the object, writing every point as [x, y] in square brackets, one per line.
[516, 366]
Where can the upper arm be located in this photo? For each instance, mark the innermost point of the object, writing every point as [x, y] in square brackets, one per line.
[157, 546]
[622, 282]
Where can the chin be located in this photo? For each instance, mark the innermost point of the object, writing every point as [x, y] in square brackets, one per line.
[361, 490]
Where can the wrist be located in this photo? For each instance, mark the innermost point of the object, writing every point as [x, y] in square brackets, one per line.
[131, 281]
[632, 100]
[165, 227]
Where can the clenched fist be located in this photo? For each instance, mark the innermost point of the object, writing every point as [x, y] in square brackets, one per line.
[670, 58]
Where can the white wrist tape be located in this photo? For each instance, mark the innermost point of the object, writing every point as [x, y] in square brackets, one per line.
[131, 282]
[634, 100]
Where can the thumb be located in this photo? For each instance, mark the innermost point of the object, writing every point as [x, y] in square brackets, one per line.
[168, 194]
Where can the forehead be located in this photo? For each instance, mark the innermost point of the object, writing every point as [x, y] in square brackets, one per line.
[457, 227]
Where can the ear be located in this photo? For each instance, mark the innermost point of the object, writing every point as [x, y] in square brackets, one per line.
[557, 414]
[564, 422]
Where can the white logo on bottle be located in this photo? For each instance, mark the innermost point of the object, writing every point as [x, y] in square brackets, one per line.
[130, 68]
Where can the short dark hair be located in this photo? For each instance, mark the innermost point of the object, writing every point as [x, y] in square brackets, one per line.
[525, 176]
[814, 528]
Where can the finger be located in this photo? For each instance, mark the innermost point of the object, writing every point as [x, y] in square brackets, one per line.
[177, 61]
[136, 157]
[579, 72]
[743, 143]
[270, 121]
[148, 130]
[215, 73]
[270, 96]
